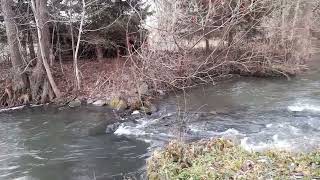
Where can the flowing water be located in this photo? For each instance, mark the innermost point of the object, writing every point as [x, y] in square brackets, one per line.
[259, 114]
[51, 144]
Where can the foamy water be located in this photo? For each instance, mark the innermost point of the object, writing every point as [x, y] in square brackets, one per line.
[300, 107]
[280, 136]
[291, 126]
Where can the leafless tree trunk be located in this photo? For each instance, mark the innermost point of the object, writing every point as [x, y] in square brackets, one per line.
[75, 48]
[32, 53]
[99, 53]
[296, 13]
[20, 80]
[39, 8]
[75, 58]
[207, 38]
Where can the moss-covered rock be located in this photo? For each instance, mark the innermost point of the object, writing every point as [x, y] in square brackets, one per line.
[221, 159]
[118, 104]
[145, 110]
[144, 106]
[75, 103]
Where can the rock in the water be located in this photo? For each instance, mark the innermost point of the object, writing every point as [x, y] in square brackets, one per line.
[135, 112]
[146, 110]
[153, 108]
[97, 129]
[90, 101]
[99, 103]
[112, 128]
[118, 104]
[213, 113]
[75, 103]
[135, 104]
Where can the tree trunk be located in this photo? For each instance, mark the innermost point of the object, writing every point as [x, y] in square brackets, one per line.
[32, 53]
[23, 49]
[75, 58]
[230, 37]
[99, 53]
[37, 78]
[20, 79]
[39, 8]
[207, 44]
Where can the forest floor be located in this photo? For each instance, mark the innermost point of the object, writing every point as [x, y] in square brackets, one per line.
[111, 78]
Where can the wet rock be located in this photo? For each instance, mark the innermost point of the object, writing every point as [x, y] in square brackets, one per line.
[112, 128]
[146, 110]
[118, 104]
[135, 112]
[75, 103]
[62, 108]
[90, 101]
[135, 104]
[102, 128]
[98, 129]
[213, 113]
[99, 103]
[153, 108]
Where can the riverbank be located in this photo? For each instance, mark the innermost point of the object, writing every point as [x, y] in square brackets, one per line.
[111, 82]
[221, 159]
[122, 84]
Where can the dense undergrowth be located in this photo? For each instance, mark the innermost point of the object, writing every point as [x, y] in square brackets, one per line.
[221, 159]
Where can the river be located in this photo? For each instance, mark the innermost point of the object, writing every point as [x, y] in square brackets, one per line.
[49, 144]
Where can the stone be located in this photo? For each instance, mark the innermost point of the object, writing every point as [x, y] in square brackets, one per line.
[99, 103]
[96, 129]
[135, 112]
[153, 108]
[146, 110]
[135, 105]
[112, 128]
[75, 103]
[213, 113]
[61, 108]
[90, 101]
[118, 104]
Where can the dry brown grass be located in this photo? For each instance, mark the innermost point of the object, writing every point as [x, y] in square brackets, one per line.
[100, 80]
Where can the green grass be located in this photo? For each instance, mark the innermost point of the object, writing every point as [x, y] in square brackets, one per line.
[221, 159]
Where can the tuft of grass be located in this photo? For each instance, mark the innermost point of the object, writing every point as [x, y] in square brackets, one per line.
[221, 159]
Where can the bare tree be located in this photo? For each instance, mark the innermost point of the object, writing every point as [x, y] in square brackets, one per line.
[39, 8]
[20, 80]
[75, 58]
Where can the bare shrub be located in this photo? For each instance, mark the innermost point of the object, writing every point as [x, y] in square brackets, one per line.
[195, 41]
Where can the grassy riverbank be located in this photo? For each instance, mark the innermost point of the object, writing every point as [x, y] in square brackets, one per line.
[221, 159]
